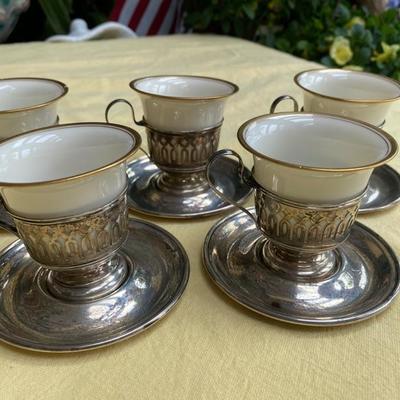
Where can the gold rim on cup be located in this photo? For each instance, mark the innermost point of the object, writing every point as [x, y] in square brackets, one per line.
[135, 135]
[392, 81]
[62, 85]
[235, 88]
[388, 138]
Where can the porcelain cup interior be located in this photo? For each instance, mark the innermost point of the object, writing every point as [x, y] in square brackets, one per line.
[183, 103]
[353, 94]
[65, 170]
[314, 158]
[28, 103]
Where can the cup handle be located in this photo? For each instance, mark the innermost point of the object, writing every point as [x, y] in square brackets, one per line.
[139, 123]
[241, 171]
[6, 222]
[110, 105]
[279, 99]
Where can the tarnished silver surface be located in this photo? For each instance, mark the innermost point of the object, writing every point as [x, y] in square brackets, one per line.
[304, 226]
[154, 192]
[182, 152]
[78, 251]
[32, 317]
[301, 236]
[363, 283]
[173, 184]
[383, 191]
[71, 241]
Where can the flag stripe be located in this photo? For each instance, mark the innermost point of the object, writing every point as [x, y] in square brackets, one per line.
[127, 10]
[116, 10]
[158, 20]
[148, 17]
[178, 22]
[137, 15]
[168, 21]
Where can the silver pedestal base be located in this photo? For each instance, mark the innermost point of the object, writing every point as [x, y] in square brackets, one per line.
[383, 190]
[363, 282]
[147, 196]
[157, 271]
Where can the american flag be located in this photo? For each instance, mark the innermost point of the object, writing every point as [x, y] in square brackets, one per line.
[149, 17]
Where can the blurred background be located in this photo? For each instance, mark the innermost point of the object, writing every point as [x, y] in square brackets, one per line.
[358, 35]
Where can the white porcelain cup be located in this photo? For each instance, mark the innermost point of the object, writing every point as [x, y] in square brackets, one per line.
[28, 103]
[314, 158]
[359, 95]
[180, 103]
[65, 170]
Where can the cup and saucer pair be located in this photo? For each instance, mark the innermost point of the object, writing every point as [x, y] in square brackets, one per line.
[359, 95]
[83, 274]
[178, 113]
[182, 116]
[299, 256]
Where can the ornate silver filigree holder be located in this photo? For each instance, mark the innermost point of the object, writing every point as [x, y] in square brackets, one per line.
[302, 237]
[299, 249]
[383, 191]
[171, 182]
[182, 157]
[87, 281]
[80, 253]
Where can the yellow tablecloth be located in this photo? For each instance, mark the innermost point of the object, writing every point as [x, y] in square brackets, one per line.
[207, 347]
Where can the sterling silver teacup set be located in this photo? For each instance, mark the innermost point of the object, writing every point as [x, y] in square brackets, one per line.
[84, 274]
[183, 116]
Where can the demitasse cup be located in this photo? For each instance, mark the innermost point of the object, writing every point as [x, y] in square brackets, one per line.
[28, 103]
[65, 189]
[310, 172]
[358, 95]
[183, 117]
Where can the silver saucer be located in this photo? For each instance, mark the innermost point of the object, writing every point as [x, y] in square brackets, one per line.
[364, 283]
[147, 197]
[30, 317]
[383, 191]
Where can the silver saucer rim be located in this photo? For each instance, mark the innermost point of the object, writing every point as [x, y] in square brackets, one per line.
[386, 206]
[182, 216]
[126, 335]
[309, 322]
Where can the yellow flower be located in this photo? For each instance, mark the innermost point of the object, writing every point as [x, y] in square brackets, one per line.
[389, 53]
[355, 21]
[353, 68]
[340, 51]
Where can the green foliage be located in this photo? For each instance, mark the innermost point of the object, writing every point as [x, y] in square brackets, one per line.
[59, 13]
[238, 17]
[335, 33]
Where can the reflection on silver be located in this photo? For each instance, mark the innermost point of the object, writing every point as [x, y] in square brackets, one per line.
[32, 317]
[383, 190]
[364, 283]
[175, 185]
[153, 192]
